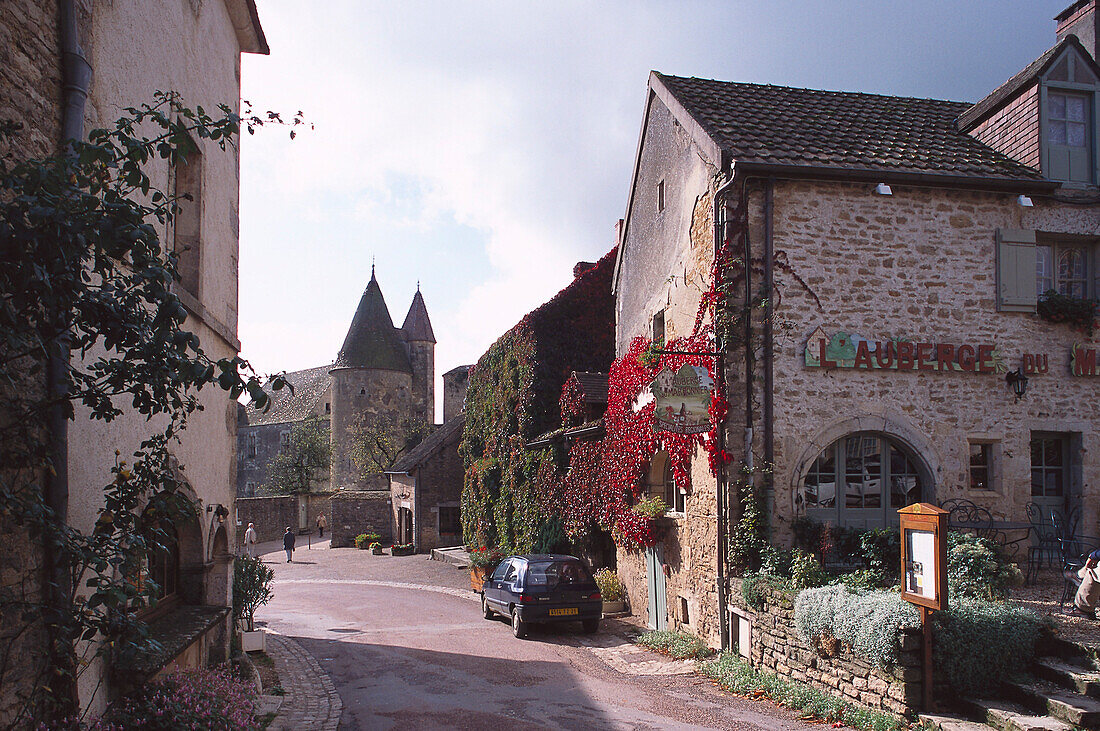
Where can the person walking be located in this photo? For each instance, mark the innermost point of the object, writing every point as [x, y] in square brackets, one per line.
[250, 541]
[288, 544]
[321, 522]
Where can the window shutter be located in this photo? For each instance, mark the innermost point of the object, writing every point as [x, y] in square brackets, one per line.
[1015, 270]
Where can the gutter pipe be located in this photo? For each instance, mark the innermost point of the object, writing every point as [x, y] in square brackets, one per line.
[76, 80]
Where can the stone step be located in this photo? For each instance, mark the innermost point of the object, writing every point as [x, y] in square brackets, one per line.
[456, 556]
[1068, 675]
[1008, 716]
[950, 722]
[1043, 696]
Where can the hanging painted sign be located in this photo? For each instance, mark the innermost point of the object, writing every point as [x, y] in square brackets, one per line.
[682, 400]
[1082, 361]
[850, 350]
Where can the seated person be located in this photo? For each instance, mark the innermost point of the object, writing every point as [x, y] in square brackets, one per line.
[1088, 594]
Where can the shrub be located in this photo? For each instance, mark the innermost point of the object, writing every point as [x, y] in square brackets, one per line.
[1079, 313]
[977, 644]
[881, 550]
[869, 622]
[651, 507]
[611, 587]
[486, 558]
[751, 583]
[204, 699]
[678, 645]
[806, 571]
[977, 569]
[735, 675]
[251, 588]
[776, 561]
[361, 541]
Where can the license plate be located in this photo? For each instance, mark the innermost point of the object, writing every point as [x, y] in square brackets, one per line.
[564, 612]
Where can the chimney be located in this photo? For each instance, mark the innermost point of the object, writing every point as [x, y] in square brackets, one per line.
[581, 267]
[1081, 20]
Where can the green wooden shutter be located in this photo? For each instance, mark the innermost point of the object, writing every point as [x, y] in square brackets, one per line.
[1015, 270]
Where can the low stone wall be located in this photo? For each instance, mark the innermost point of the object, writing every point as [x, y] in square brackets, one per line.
[777, 647]
[356, 512]
[272, 514]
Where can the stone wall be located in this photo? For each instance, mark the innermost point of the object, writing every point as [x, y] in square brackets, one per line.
[272, 514]
[354, 513]
[777, 647]
[364, 394]
[252, 465]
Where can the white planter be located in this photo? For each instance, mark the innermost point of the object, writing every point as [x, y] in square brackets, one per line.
[614, 607]
[254, 641]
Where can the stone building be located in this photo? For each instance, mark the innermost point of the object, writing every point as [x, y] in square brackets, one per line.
[133, 49]
[381, 373]
[899, 250]
[426, 483]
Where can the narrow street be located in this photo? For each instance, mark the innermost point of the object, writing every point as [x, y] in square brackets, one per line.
[405, 645]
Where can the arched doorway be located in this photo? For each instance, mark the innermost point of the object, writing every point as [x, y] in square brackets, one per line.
[860, 480]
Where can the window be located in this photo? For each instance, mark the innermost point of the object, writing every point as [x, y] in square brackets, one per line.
[250, 489]
[981, 466]
[1049, 466]
[860, 481]
[659, 328]
[1066, 120]
[662, 483]
[251, 445]
[328, 408]
[1064, 268]
[449, 521]
[685, 617]
[284, 441]
[187, 222]
[660, 196]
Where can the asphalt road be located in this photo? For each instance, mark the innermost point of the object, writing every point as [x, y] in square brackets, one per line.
[425, 659]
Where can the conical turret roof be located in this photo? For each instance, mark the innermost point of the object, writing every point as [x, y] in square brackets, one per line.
[372, 340]
[417, 325]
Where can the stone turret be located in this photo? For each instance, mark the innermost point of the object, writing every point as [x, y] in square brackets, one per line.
[372, 377]
[420, 346]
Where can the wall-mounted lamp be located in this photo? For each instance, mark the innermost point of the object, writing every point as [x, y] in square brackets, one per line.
[1024, 201]
[883, 189]
[1017, 381]
[221, 513]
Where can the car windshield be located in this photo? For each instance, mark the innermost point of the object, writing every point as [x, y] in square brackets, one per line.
[557, 573]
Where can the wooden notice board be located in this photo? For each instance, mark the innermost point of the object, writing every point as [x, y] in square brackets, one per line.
[924, 555]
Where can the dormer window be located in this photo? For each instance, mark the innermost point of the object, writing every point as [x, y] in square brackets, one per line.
[1068, 120]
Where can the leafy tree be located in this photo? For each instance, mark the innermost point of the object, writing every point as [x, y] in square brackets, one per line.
[251, 588]
[378, 441]
[303, 461]
[86, 295]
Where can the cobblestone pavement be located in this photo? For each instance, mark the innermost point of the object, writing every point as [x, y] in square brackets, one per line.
[311, 702]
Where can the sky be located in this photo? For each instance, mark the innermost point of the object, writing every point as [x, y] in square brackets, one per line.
[479, 150]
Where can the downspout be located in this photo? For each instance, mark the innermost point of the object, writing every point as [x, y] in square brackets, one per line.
[720, 226]
[769, 361]
[76, 80]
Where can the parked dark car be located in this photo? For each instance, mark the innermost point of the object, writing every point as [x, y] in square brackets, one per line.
[542, 588]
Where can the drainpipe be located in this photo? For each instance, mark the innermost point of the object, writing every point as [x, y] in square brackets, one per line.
[769, 433]
[720, 230]
[76, 80]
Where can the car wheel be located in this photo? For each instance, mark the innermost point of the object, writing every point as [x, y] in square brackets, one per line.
[591, 626]
[485, 608]
[519, 627]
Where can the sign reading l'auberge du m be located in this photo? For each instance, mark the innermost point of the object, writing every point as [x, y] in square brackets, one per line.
[850, 350]
[683, 400]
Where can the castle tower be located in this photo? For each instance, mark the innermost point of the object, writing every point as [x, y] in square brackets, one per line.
[420, 344]
[371, 378]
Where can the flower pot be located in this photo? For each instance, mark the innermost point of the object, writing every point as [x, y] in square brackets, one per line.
[254, 641]
[616, 607]
[395, 551]
[478, 574]
[377, 550]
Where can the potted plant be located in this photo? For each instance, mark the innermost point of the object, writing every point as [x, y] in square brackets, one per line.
[251, 590]
[376, 548]
[402, 549]
[365, 541]
[483, 561]
[611, 589]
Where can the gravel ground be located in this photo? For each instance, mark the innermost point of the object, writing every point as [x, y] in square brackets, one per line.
[1042, 597]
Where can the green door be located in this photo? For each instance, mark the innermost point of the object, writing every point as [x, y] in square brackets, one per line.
[655, 584]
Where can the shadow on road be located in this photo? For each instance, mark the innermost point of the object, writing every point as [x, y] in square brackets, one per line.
[384, 686]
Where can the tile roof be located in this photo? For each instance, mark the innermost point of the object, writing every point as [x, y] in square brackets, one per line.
[594, 386]
[372, 340]
[309, 386]
[845, 131]
[433, 442]
[417, 324]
